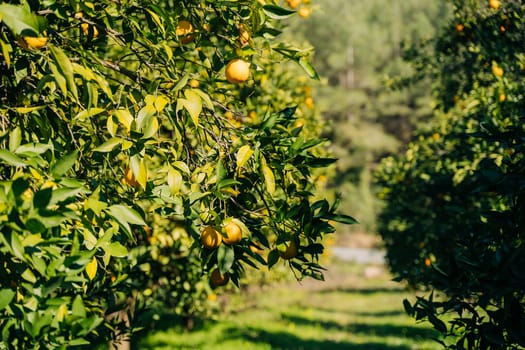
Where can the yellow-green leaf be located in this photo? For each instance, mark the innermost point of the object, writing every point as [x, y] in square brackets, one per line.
[88, 113]
[174, 180]
[61, 312]
[243, 155]
[205, 98]
[66, 68]
[5, 52]
[193, 104]
[157, 20]
[144, 115]
[125, 118]
[269, 178]
[91, 268]
[138, 167]
[160, 102]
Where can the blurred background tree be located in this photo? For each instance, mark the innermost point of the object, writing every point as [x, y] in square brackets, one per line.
[359, 56]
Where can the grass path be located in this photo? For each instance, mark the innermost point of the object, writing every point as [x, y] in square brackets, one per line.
[356, 308]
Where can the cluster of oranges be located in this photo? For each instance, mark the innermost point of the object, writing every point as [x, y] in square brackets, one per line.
[304, 11]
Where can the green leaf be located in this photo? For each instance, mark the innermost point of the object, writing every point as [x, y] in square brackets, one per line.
[193, 104]
[6, 296]
[308, 68]
[21, 21]
[29, 276]
[109, 145]
[65, 193]
[30, 149]
[66, 68]
[11, 159]
[277, 12]
[5, 51]
[273, 257]
[269, 178]
[225, 258]
[243, 155]
[78, 309]
[182, 167]
[116, 249]
[78, 342]
[64, 164]
[15, 138]
[126, 214]
[139, 169]
[88, 113]
[205, 98]
[42, 197]
[342, 218]
[174, 180]
[16, 246]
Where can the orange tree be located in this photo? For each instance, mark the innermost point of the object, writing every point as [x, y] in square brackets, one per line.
[134, 156]
[454, 216]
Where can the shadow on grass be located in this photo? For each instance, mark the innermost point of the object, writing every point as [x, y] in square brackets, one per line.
[283, 341]
[363, 291]
[372, 313]
[382, 330]
[288, 341]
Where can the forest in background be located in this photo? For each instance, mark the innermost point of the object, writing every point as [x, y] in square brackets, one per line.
[359, 55]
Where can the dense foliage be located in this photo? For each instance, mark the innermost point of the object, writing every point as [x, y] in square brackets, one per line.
[455, 201]
[138, 167]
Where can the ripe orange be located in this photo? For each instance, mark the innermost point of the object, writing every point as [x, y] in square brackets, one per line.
[494, 4]
[185, 31]
[32, 42]
[194, 83]
[293, 3]
[237, 71]
[460, 27]
[292, 249]
[233, 233]
[210, 237]
[309, 102]
[129, 178]
[497, 70]
[305, 12]
[217, 279]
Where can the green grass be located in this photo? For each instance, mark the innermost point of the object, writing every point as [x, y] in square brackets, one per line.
[349, 311]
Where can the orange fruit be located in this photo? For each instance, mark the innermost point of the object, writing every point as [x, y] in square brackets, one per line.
[293, 3]
[497, 70]
[494, 4]
[305, 12]
[292, 249]
[233, 233]
[460, 27]
[210, 237]
[32, 42]
[194, 83]
[237, 71]
[185, 31]
[309, 102]
[217, 279]
[129, 178]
